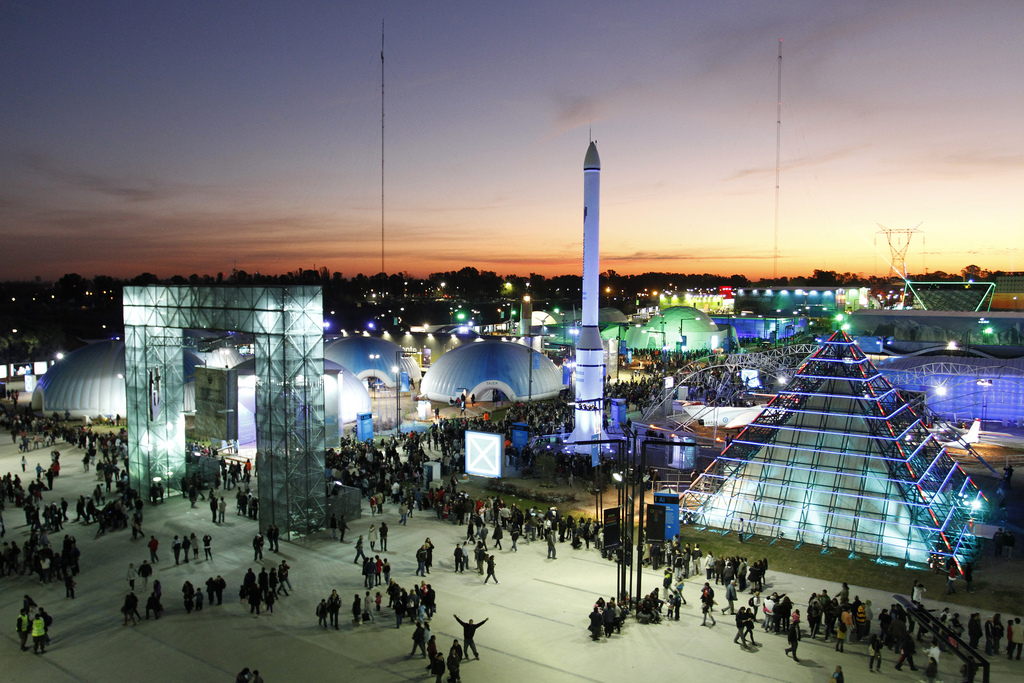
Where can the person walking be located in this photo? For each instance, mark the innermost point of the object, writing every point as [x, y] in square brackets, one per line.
[875, 653]
[793, 636]
[145, 571]
[748, 625]
[130, 576]
[707, 599]
[129, 608]
[321, 613]
[490, 570]
[333, 606]
[1015, 640]
[907, 651]
[176, 549]
[153, 545]
[842, 631]
[437, 667]
[357, 610]
[368, 607]
[257, 547]
[454, 662]
[419, 640]
[741, 633]
[469, 634]
[730, 595]
[359, 551]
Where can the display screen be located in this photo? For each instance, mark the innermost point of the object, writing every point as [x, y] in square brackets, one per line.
[485, 453]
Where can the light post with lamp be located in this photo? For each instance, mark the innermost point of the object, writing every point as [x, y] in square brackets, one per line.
[616, 515]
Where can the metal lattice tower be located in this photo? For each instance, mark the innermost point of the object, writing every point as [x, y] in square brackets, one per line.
[899, 243]
[287, 328]
[839, 459]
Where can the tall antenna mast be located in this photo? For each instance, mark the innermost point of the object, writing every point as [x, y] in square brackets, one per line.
[778, 164]
[382, 146]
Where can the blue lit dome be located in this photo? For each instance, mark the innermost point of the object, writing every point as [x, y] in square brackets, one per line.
[371, 357]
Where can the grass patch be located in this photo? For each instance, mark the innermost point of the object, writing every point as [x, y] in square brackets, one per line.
[835, 567]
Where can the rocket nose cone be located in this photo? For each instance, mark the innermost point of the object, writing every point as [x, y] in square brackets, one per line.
[592, 161]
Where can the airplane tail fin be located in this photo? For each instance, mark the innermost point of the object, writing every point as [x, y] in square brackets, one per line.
[973, 434]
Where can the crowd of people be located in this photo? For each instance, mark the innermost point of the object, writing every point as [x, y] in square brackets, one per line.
[389, 472]
[839, 618]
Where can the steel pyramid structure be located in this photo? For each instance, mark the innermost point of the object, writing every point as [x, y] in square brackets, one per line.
[840, 459]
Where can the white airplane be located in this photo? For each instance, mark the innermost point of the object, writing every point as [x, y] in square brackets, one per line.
[948, 435]
[725, 417]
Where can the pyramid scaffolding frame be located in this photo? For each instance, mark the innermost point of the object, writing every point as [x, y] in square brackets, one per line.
[840, 459]
[287, 326]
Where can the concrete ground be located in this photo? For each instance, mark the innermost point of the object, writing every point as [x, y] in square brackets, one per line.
[536, 629]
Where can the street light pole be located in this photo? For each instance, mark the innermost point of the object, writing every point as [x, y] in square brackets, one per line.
[624, 545]
[641, 539]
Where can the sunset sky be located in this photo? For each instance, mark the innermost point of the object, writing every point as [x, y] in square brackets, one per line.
[198, 137]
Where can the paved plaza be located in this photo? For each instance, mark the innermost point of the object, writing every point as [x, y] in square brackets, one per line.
[537, 614]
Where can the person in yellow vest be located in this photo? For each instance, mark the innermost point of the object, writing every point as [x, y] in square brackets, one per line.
[38, 634]
[24, 628]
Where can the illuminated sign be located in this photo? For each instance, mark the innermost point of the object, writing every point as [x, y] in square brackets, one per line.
[156, 401]
[485, 453]
[364, 427]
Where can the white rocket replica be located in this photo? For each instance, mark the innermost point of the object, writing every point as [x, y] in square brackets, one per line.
[590, 366]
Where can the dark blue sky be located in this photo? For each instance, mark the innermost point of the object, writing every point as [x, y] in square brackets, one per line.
[181, 137]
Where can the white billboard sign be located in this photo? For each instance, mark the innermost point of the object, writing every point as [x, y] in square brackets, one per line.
[485, 453]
